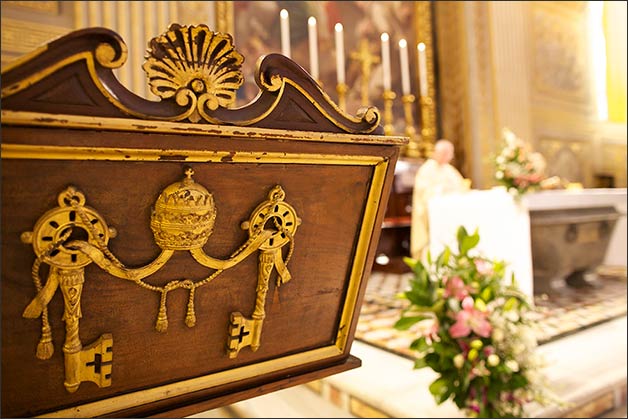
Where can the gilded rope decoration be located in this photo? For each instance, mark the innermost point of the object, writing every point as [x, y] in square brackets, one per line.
[73, 235]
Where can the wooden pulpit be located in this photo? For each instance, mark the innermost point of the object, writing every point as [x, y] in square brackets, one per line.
[164, 257]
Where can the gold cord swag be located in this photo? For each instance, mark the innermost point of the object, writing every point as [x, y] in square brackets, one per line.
[73, 235]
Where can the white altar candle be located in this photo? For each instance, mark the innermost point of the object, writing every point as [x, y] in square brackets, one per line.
[422, 69]
[285, 33]
[386, 61]
[313, 42]
[340, 54]
[405, 70]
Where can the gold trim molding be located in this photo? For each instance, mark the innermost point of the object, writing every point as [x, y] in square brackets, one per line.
[22, 118]
[429, 128]
[116, 403]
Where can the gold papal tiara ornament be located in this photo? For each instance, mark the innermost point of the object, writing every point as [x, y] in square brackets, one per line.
[182, 219]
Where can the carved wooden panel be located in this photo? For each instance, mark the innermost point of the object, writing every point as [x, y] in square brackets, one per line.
[166, 257]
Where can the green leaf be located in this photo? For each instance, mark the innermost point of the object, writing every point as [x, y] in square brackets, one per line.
[432, 360]
[438, 388]
[438, 306]
[486, 294]
[510, 304]
[518, 381]
[468, 243]
[420, 345]
[443, 258]
[409, 261]
[405, 323]
[419, 363]
[420, 298]
[461, 234]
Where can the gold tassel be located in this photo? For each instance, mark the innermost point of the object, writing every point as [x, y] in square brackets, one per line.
[190, 317]
[45, 349]
[162, 317]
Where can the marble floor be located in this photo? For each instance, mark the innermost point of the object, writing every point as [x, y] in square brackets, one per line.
[557, 315]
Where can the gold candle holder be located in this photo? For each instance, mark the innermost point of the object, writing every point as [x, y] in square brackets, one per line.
[412, 148]
[428, 132]
[341, 89]
[389, 96]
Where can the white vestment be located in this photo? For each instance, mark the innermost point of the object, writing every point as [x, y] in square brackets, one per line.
[431, 179]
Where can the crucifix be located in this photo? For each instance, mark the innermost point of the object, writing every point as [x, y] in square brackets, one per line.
[366, 59]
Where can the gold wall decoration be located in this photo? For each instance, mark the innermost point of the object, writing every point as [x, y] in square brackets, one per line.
[613, 161]
[453, 77]
[568, 159]
[559, 51]
[429, 128]
[73, 235]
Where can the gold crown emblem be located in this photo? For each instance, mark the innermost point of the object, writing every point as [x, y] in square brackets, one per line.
[183, 216]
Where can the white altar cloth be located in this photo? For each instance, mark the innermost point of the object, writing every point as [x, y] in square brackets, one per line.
[504, 223]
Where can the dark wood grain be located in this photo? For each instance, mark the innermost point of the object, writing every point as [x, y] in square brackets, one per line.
[328, 185]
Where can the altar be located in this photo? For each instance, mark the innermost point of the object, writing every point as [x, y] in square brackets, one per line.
[513, 230]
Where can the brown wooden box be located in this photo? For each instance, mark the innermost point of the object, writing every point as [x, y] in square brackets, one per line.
[156, 279]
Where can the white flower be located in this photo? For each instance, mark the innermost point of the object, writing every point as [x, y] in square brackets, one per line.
[509, 136]
[493, 360]
[459, 361]
[512, 315]
[538, 161]
[499, 174]
[512, 365]
[498, 335]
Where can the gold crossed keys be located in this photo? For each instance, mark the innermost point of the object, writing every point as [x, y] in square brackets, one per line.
[73, 235]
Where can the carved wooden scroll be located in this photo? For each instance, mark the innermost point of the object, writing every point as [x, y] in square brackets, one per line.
[196, 73]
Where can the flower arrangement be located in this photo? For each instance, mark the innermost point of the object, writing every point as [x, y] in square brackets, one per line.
[517, 167]
[473, 330]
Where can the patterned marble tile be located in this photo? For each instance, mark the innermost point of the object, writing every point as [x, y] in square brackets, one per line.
[556, 315]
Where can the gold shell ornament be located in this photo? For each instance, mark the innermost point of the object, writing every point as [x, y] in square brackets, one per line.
[196, 66]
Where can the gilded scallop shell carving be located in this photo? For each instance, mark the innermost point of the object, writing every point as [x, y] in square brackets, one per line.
[194, 62]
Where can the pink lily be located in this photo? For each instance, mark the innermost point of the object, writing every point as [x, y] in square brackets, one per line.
[469, 319]
[455, 287]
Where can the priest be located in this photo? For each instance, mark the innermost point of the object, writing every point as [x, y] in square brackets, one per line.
[435, 177]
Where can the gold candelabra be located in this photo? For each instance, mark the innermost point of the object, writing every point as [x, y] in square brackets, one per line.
[412, 148]
[342, 88]
[389, 96]
[428, 131]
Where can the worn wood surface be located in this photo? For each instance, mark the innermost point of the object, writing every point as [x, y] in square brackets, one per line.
[302, 315]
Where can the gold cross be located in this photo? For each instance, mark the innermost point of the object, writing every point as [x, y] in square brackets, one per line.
[366, 59]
